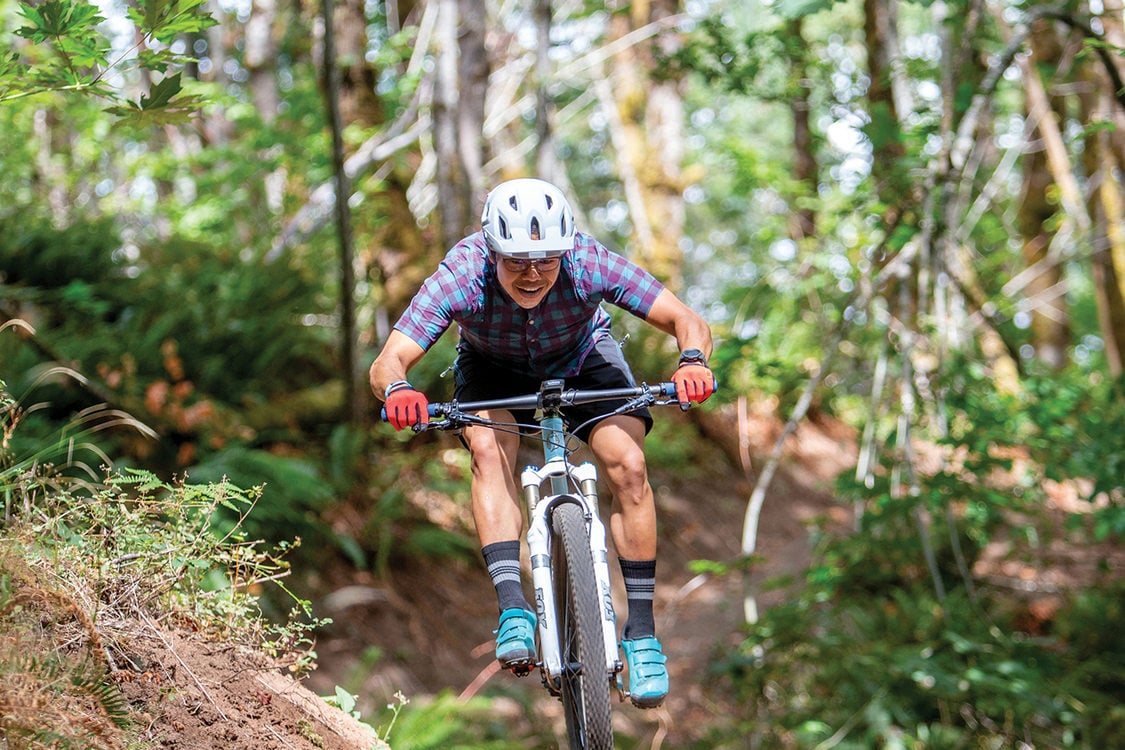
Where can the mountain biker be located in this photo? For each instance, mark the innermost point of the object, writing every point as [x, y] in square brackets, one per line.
[526, 292]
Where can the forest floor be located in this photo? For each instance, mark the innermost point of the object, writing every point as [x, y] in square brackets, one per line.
[433, 627]
[427, 631]
[424, 632]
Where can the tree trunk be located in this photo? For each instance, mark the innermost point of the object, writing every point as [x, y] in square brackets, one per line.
[647, 115]
[1049, 320]
[881, 39]
[1104, 150]
[802, 224]
[353, 400]
[260, 59]
[452, 202]
[474, 70]
[358, 101]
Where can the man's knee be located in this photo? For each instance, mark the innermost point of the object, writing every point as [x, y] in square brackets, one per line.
[632, 464]
[488, 452]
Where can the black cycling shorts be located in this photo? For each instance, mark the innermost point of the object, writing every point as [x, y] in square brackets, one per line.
[478, 379]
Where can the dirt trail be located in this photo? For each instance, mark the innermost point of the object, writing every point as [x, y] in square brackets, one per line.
[428, 630]
[433, 628]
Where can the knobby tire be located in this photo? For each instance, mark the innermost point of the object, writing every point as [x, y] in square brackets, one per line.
[585, 689]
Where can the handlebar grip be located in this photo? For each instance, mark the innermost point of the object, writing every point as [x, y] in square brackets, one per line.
[434, 410]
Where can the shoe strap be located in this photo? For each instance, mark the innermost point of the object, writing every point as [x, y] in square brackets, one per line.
[645, 657]
[514, 620]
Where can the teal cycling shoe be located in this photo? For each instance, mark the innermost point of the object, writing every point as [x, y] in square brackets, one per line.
[515, 638]
[648, 675]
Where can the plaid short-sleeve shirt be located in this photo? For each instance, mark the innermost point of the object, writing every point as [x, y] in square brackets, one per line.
[551, 340]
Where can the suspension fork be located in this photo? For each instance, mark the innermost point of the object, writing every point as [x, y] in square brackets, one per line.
[539, 538]
[587, 477]
[556, 470]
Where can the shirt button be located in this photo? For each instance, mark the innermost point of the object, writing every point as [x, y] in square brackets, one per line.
[531, 322]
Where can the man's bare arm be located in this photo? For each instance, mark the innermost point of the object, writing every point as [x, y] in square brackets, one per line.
[675, 318]
[399, 354]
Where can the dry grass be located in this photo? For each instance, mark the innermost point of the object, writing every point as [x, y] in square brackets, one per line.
[55, 690]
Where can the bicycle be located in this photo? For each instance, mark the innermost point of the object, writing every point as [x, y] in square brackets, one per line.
[577, 624]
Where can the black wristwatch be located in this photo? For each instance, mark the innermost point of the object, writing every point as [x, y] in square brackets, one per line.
[692, 357]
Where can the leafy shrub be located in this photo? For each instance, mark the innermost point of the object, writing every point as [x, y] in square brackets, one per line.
[88, 562]
[893, 641]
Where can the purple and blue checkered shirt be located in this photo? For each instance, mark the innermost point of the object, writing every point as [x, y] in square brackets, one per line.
[551, 340]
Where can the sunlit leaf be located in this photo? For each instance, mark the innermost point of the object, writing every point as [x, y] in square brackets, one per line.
[58, 18]
[164, 105]
[166, 19]
[801, 8]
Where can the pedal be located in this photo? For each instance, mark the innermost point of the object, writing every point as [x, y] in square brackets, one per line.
[521, 669]
[619, 683]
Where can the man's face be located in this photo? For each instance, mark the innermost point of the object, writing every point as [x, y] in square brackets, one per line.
[527, 282]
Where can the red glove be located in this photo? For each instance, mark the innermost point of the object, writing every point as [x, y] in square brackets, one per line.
[693, 383]
[406, 407]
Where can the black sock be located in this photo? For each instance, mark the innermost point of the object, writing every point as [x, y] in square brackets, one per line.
[640, 586]
[503, 561]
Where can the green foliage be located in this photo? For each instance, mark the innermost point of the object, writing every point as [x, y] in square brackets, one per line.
[1069, 423]
[49, 457]
[449, 723]
[292, 493]
[72, 27]
[899, 666]
[162, 106]
[35, 254]
[872, 652]
[70, 53]
[175, 312]
[675, 446]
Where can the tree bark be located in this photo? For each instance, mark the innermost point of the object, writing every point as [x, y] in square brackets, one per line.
[1104, 150]
[646, 114]
[1049, 318]
[260, 59]
[452, 202]
[354, 396]
[802, 224]
[474, 71]
[358, 101]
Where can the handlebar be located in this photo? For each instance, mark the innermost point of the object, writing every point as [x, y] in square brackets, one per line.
[553, 395]
[551, 398]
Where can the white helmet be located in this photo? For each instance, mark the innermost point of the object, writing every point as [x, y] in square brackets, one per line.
[517, 209]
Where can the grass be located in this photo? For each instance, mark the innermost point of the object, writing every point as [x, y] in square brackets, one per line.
[87, 563]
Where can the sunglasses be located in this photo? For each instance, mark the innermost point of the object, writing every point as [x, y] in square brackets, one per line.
[521, 265]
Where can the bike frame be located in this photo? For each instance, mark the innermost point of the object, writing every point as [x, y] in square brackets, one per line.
[559, 481]
[557, 473]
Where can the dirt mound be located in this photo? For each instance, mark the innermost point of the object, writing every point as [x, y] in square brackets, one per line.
[76, 680]
[192, 694]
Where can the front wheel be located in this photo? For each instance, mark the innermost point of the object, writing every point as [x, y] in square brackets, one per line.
[584, 682]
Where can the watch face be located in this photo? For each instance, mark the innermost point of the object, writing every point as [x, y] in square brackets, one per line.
[692, 355]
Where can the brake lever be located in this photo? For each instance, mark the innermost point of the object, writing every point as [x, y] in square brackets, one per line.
[453, 421]
[435, 424]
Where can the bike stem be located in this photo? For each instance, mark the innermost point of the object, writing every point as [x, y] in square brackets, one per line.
[554, 450]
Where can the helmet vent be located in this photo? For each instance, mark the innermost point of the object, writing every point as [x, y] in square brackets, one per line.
[528, 218]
